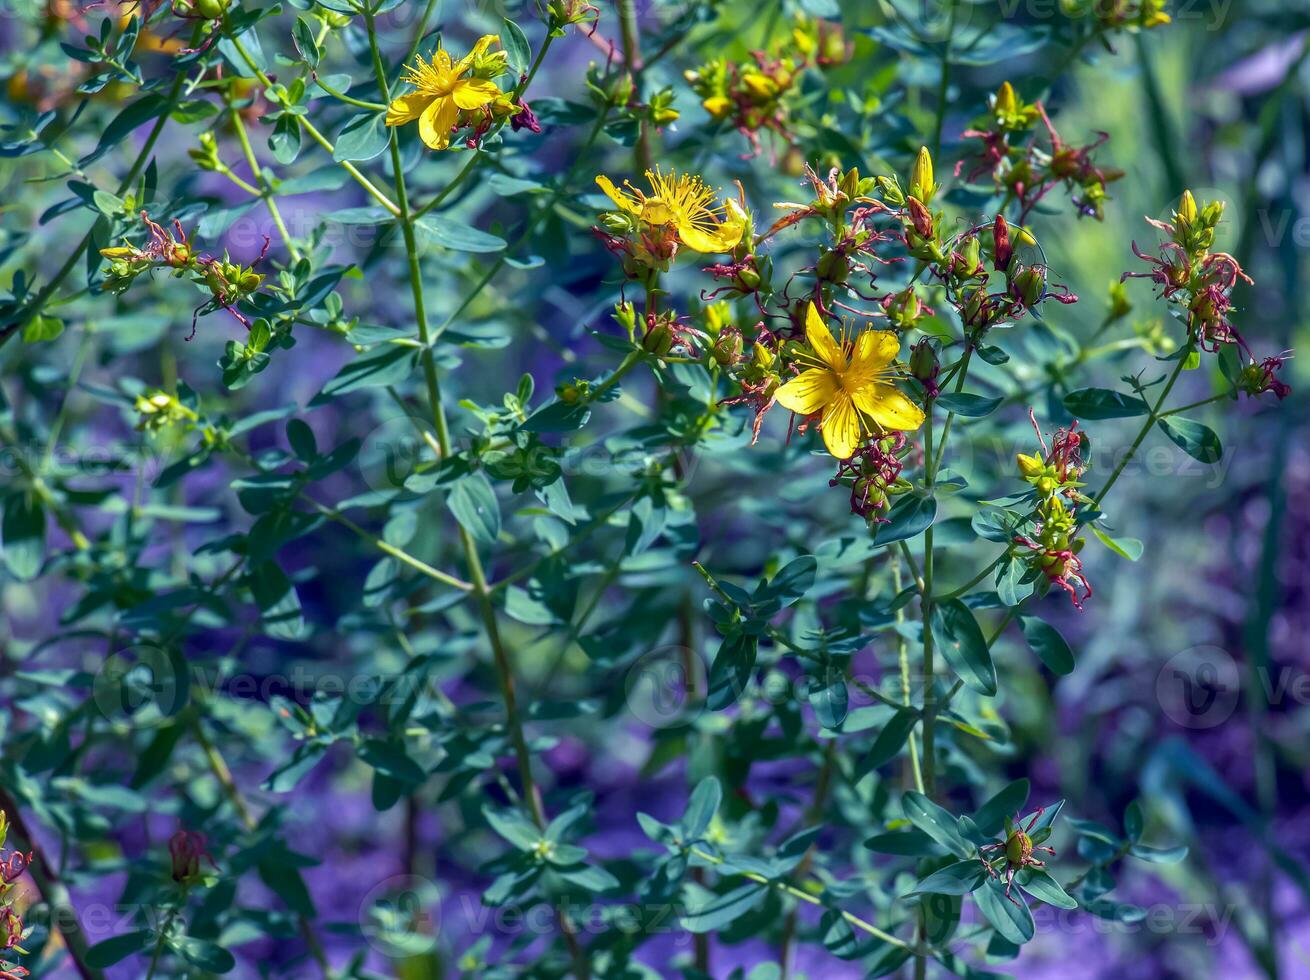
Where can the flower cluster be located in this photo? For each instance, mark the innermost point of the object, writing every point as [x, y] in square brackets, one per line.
[647, 230]
[1024, 168]
[452, 95]
[1118, 15]
[1200, 282]
[873, 473]
[12, 929]
[228, 282]
[1053, 544]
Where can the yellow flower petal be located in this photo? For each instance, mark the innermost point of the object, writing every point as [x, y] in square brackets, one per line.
[406, 108]
[808, 392]
[820, 338]
[723, 238]
[841, 427]
[875, 349]
[484, 42]
[889, 407]
[622, 200]
[435, 124]
[473, 93]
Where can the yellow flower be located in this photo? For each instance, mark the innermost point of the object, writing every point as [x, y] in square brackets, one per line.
[441, 91]
[686, 205]
[850, 381]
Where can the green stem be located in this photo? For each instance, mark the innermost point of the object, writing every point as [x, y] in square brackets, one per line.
[504, 668]
[1151, 420]
[926, 607]
[532, 224]
[258, 172]
[944, 84]
[312, 131]
[805, 896]
[159, 943]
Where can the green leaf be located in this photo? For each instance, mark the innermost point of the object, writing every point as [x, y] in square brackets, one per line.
[1102, 403]
[389, 758]
[990, 817]
[364, 137]
[1048, 644]
[1044, 888]
[385, 365]
[959, 878]
[117, 948]
[22, 535]
[907, 843]
[963, 645]
[516, 47]
[204, 954]
[1009, 916]
[969, 406]
[473, 502]
[701, 807]
[302, 35]
[792, 581]
[706, 911]
[830, 698]
[910, 516]
[1197, 440]
[42, 328]
[936, 822]
[277, 600]
[514, 826]
[1129, 548]
[890, 740]
[731, 670]
[1158, 855]
[456, 235]
[302, 440]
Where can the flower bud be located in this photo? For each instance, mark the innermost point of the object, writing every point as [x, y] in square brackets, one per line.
[1003, 250]
[925, 364]
[1187, 212]
[920, 218]
[904, 308]
[891, 191]
[833, 266]
[658, 339]
[1028, 285]
[727, 347]
[625, 315]
[921, 177]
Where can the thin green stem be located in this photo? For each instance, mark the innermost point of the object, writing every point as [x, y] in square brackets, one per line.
[926, 607]
[903, 658]
[311, 130]
[504, 668]
[1151, 420]
[944, 84]
[532, 224]
[258, 172]
[806, 897]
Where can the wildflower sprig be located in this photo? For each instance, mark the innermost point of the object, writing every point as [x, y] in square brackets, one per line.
[229, 283]
[1025, 168]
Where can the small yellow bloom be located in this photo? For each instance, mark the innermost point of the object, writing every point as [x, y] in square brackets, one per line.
[686, 205]
[850, 380]
[443, 88]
